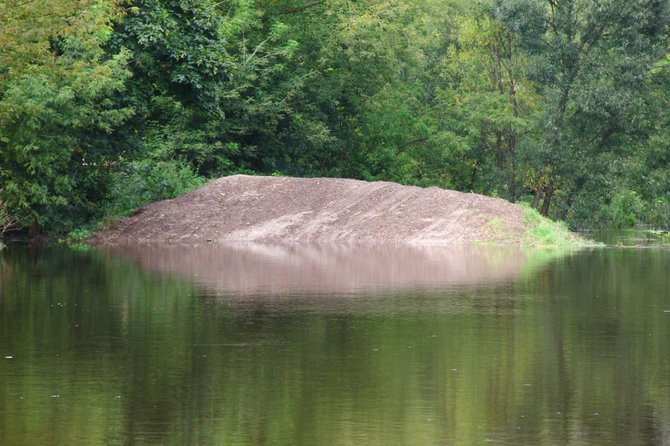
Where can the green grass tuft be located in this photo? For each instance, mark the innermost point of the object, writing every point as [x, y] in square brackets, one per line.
[544, 232]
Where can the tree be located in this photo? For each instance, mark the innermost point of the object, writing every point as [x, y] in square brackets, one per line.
[367, 106]
[490, 101]
[56, 122]
[590, 61]
[208, 81]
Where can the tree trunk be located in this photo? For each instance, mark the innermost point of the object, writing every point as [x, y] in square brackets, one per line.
[473, 178]
[536, 200]
[34, 230]
[547, 198]
[511, 146]
[500, 150]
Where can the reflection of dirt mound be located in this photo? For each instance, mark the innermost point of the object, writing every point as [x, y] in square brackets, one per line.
[250, 269]
[272, 209]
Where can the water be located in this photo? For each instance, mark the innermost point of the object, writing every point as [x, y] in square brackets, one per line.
[300, 345]
[640, 236]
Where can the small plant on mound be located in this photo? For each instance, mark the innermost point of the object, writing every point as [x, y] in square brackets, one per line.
[75, 239]
[78, 234]
[544, 232]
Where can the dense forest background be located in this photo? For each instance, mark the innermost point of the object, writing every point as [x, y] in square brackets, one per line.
[107, 105]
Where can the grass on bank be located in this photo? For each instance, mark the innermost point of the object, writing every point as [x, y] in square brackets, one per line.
[544, 232]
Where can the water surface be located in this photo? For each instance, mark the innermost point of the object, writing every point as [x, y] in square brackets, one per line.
[305, 345]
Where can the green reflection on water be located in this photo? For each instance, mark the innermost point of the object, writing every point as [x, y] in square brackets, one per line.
[567, 349]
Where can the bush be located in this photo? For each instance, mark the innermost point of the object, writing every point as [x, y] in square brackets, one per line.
[145, 181]
[79, 234]
[625, 209]
[657, 212]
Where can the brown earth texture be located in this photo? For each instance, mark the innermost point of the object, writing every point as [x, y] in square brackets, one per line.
[322, 210]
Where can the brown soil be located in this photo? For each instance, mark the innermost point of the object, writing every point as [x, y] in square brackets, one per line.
[321, 210]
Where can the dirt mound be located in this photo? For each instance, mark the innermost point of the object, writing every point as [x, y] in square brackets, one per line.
[322, 210]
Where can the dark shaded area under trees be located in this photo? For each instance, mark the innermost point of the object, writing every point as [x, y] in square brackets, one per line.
[107, 105]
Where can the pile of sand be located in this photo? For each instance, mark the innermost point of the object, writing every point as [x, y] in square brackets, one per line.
[322, 210]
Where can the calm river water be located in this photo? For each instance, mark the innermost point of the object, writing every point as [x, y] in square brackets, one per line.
[305, 345]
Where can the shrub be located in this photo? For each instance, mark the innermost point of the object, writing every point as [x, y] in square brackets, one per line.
[146, 181]
[625, 209]
[79, 234]
[657, 212]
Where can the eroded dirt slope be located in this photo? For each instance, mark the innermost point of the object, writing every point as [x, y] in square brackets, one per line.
[322, 210]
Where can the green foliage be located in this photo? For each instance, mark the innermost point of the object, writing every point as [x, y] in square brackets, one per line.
[79, 234]
[625, 209]
[662, 65]
[180, 137]
[507, 97]
[590, 62]
[57, 124]
[55, 135]
[34, 33]
[486, 100]
[657, 212]
[144, 181]
[210, 82]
